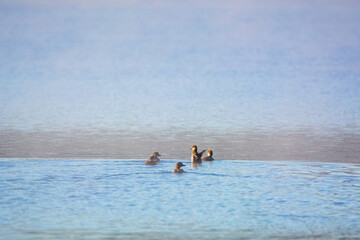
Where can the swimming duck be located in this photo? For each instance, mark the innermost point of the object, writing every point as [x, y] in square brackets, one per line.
[178, 168]
[209, 156]
[195, 156]
[153, 159]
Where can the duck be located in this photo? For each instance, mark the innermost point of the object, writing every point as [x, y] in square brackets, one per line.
[195, 156]
[178, 168]
[209, 156]
[153, 159]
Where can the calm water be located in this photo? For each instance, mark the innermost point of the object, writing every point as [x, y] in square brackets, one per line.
[256, 79]
[123, 199]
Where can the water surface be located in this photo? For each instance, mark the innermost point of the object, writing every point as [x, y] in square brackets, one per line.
[124, 199]
[121, 79]
[331, 145]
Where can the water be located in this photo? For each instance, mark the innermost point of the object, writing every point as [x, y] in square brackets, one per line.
[121, 79]
[252, 144]
[254, 80]
[124, 199]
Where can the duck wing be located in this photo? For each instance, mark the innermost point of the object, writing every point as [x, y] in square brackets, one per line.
[201, 153]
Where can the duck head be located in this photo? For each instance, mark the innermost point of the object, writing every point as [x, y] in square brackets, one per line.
[179, 165]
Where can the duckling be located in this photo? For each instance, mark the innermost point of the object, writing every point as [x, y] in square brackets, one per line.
[195, 156]
[178, 168]
[209, 156]
[153, 159]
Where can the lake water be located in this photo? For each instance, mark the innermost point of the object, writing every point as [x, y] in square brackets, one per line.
[110, 81]
[252, 80]
[124, 199]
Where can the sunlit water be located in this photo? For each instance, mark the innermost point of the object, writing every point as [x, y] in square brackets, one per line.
[124, 199]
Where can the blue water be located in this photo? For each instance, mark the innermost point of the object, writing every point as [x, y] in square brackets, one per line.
[253, 80]
[100, 79]
[115, 79]
[124, 199]
[141, 66]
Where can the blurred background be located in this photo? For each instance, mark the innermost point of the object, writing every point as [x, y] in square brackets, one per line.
[260, 80]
